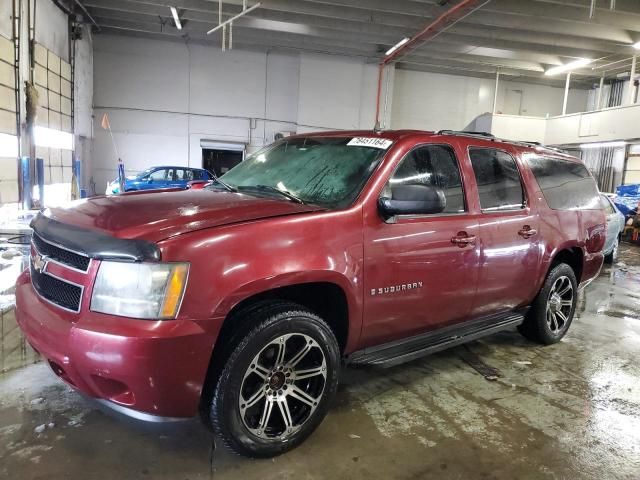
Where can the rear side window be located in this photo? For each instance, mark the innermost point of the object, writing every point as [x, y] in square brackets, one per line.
[566, 185]
[434, 165]
[498, 179]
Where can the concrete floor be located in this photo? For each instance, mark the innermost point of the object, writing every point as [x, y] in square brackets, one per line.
[570, 411]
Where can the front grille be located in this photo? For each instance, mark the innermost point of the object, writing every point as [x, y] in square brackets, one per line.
[58, 292]
[58, 254]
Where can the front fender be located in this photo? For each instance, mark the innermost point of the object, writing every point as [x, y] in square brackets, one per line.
[233, 263]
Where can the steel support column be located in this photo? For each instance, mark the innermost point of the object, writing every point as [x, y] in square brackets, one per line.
[566, 94]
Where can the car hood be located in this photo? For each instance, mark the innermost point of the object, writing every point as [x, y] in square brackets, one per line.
[155, 216]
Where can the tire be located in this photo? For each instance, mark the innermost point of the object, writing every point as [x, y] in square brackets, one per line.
[552, 311]
[261, 407]
[612, 257]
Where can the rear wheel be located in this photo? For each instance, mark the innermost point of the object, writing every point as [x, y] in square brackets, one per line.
[552, 311]
[277, 384]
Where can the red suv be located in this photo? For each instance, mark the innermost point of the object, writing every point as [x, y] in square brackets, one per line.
[242, 300]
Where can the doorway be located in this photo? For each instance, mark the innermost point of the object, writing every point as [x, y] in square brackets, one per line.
[218, 161]
[513, 102]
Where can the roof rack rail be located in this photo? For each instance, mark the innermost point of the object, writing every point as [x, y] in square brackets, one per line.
[538, 144]
[466, 132]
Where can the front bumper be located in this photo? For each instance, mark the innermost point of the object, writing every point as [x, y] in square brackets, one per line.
[155, 367]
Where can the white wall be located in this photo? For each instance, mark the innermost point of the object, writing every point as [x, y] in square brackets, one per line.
[430, 101]
[611, 124]
[513, 127]
[336, 93]
[163, 98]
[433, 101]
[616, 123]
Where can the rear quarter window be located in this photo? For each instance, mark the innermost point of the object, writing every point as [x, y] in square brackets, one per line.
[566, 185]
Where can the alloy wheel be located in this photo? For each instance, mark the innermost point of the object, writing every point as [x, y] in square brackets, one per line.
[559, 304]
[283, 386]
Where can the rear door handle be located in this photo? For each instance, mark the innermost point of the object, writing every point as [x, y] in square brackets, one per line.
[463, 240]
[527, 232]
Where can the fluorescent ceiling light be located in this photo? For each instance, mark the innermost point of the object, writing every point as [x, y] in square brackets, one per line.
[636, 45]
[48, 137]
[397, 45]
[581, 62]
[602, 145]
[176, 18]
[8, 145]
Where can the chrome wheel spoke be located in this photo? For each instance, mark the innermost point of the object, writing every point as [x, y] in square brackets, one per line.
[562, 317]
[555, 322]
[549, 317]
[282, 350]
[300, 355]
[567, 303]
[298, 394]
[255, 398]
[286, 413]
[266, 414]
[259, 370]
[310, 372]
[566, 288]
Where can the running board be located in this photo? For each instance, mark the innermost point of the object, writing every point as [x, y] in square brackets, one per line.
[407, 349]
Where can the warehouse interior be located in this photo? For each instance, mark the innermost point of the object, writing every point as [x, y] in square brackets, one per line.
[91, 86]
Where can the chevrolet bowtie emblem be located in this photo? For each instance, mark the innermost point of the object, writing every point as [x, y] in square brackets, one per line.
[39, 262]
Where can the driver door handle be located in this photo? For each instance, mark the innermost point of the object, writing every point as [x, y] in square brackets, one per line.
[462, 239]
[527, 232]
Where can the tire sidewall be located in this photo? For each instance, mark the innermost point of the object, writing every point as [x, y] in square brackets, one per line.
[226, 396]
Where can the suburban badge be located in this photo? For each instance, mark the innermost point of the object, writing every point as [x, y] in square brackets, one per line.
[396, 288]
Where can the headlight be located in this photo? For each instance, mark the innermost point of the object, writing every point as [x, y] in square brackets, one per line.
[140, 290]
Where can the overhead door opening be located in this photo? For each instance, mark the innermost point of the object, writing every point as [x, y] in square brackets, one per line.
[219, 161]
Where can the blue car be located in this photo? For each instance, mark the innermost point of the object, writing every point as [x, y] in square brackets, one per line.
[159, 177]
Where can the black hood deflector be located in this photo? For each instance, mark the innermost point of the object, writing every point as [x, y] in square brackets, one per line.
[94, 244]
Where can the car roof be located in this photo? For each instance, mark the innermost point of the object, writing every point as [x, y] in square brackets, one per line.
[175, 166]
[485, 139]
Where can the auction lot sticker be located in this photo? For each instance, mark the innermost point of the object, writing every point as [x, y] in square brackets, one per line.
[381, 143]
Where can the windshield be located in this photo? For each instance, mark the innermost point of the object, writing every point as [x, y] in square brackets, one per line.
[144, 173]
[327, 171]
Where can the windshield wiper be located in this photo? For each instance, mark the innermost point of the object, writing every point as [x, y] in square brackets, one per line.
[225, 185]
[283, 193]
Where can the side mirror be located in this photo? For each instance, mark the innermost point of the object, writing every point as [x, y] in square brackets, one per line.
[148, 179]
[413, 200]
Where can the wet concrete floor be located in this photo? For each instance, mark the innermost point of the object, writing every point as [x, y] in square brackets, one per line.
[567, 411]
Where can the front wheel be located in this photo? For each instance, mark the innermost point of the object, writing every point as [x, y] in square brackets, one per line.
[552, 311]
[278, 382]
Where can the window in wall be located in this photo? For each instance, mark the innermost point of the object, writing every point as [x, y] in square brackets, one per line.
[565, 184]
[434, 165]
[498, 179]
